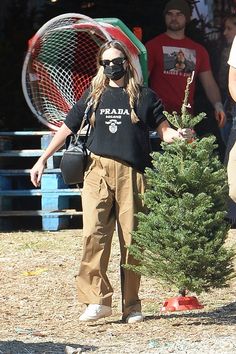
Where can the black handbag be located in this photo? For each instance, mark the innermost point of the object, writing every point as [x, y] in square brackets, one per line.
[74, 159]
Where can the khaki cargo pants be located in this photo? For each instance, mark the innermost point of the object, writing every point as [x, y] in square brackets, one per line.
[110, 197]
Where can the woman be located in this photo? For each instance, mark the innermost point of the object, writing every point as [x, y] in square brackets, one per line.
[231, 166]
[122, 114]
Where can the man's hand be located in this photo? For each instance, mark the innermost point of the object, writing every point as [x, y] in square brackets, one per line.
[221, 118]
[220, 114]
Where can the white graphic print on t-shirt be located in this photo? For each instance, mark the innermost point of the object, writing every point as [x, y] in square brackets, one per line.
[113, 117]
[113, 125]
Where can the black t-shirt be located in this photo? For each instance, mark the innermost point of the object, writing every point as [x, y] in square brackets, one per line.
[114, 135]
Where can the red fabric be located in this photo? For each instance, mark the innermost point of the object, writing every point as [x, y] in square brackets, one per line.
[168, 74]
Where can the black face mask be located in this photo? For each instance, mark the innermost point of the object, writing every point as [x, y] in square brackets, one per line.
[114, 72]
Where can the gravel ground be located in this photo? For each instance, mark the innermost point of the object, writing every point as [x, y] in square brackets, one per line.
[39, 308]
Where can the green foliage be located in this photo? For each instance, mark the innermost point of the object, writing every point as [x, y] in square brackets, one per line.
[181, 240]
[184, 121]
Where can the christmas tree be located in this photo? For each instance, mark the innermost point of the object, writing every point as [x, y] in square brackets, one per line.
[180, 241]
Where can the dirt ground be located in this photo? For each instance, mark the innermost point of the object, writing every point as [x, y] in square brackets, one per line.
[39, 309]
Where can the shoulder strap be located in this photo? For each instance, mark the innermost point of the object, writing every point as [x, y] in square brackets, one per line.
[85, 119]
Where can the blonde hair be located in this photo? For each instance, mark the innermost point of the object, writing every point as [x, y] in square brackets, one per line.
[131, 80]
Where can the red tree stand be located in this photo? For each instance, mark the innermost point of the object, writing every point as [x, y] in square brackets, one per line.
[181, 303]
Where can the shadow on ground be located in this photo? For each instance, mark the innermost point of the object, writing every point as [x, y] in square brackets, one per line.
[18, 347]
[225, 315]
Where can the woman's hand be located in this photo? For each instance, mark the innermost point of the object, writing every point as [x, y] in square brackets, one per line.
[169, 134]
[186, 134]
[36, 173]
[56, 143]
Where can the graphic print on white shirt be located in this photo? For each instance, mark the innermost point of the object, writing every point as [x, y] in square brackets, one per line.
[178, 61]
[113, 116]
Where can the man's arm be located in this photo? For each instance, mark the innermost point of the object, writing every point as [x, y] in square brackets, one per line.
[213, 94]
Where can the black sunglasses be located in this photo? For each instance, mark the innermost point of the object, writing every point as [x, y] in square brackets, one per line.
[116, 61]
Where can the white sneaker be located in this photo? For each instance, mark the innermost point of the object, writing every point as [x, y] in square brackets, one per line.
[134, 317]
[71, 350]
[94, 312]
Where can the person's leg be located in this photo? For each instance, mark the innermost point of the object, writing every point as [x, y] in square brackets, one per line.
[231, 170]
[98, 228]
[130, 184]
